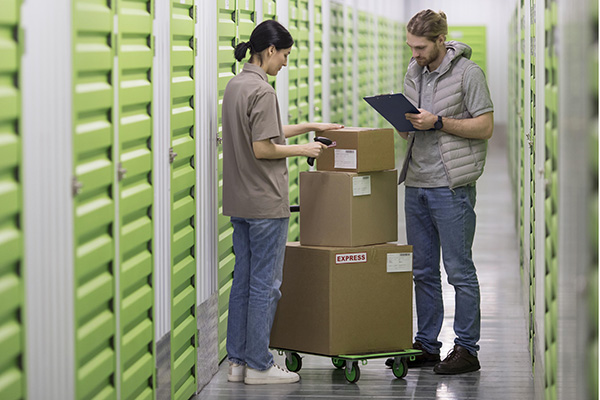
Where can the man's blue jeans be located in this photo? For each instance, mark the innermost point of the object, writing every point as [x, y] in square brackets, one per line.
[440, 217]
[259, 247]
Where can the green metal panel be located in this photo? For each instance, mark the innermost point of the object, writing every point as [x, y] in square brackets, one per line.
[136, 195]
[94, 212]
[12, 318]
[551, 200]
[227, 39]
[475, 37]
[183, 203]
[318, 65]
[246, 21]
[336, 36]
[366, 67]
[348, 98]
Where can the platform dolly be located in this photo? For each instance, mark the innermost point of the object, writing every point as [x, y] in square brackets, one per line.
[350, 363]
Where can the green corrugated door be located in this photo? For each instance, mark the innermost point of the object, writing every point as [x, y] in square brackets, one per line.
[318, 66]
[183, 203]
[349, 67]
[136, 195]
[336, 37]
[12, 318]
[226, 36]
[365, 64]
[475, 37]
[531, 179]
[93, 183]
[551, 201]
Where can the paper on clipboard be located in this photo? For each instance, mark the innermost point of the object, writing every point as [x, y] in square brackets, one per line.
[392, 107]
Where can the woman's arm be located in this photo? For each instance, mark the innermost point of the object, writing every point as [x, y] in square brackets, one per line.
[265, 149]
[295, 130]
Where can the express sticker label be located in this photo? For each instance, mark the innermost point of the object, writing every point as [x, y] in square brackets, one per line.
[351, 258]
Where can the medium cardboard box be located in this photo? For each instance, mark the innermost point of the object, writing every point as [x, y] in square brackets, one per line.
[342, 301]
[358, 150]
[348, 209]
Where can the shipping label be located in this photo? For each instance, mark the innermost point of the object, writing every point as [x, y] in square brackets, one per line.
[351, 258]
[361, 185]
[399, 262]
[344, 159]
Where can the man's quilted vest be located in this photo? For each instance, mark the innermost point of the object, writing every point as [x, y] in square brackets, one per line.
[463, 158]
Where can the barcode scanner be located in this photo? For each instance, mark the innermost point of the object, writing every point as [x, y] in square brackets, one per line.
[327, 142]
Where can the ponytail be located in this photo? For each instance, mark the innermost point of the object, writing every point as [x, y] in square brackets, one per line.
[267, 33]
[241, 49]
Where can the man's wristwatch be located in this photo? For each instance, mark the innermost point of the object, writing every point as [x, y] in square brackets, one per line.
[438, 124]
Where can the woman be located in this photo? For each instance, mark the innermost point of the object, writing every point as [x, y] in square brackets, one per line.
[255, 196]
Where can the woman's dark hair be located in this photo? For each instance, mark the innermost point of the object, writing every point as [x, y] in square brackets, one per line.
[267, 33]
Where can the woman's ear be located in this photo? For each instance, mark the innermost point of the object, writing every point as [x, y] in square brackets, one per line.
[272, 49]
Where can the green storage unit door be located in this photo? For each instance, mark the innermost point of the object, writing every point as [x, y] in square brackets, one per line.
[12, 318]
[94, 209]
[551, 199]
[270, 12]
[227, 39]
[136, 195]
[183, 203]
[348, 62]
[475, 37]
[336, 100]
[318, 66]
[294, 113]
[365, 78]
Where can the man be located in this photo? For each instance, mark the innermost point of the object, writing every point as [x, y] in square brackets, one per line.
[445, 156]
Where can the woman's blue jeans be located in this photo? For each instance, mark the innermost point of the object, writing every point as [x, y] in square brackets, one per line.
[259, 247]
[440, 217]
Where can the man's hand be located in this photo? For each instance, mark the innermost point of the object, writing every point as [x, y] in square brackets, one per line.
[423, 121]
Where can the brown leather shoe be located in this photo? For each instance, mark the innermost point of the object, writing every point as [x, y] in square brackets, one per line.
[459, 361]
[424, 360]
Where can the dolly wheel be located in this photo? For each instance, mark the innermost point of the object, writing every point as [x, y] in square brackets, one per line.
[354, 375]
[338, 362]
[293, 362]
[400, 368]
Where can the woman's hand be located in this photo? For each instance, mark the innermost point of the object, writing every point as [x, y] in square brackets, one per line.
[324, 126]
[313, 149]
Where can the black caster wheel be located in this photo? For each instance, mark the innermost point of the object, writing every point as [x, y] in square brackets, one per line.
[338, 362]
[400, 368]
[294, 362]
[354, 375]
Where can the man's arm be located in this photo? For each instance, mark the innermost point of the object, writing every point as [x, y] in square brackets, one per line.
[480, 127]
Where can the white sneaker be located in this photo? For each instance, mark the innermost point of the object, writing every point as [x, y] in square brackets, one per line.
[275, 374]
[236, 372]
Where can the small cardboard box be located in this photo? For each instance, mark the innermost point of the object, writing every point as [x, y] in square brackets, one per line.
[348, 209]
[358, 150]
[341, 301]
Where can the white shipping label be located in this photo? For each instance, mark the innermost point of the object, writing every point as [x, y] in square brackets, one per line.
[361, 185]
[399, 262]
[344, 159]
[351, 258]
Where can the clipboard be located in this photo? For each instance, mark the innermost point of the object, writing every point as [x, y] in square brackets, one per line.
[392, 107]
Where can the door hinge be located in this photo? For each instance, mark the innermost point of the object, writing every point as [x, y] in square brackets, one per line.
[172, 155]
[76, 186]
[121, 172]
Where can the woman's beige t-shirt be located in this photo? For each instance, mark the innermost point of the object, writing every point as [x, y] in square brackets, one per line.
[252, 188]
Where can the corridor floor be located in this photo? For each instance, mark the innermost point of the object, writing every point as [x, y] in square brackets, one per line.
[505, 366]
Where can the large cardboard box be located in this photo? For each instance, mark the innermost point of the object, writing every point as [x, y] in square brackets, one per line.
[348, 209]
[342, 301]
[358, 150]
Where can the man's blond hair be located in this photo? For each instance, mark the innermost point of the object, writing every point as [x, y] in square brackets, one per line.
[429, 24]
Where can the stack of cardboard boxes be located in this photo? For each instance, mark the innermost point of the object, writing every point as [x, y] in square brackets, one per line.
[346, 289]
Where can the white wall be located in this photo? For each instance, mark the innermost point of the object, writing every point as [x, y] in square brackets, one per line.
[495, 15]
